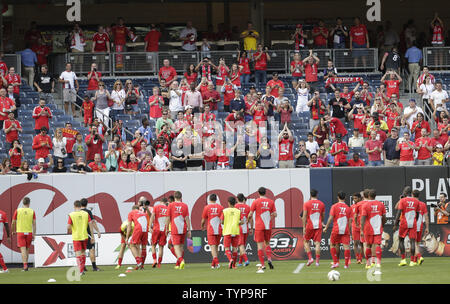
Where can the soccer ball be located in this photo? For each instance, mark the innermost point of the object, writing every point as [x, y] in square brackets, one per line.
[334, 275]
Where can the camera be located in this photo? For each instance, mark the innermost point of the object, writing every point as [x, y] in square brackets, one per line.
[96, 137]
[434, 205]
[95, 69]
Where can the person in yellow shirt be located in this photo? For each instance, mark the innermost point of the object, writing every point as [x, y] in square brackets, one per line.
[123, 244]
[250, 37]
[438, 156]
[250, 162]
[231, 220]
[78, 224]
[24, 225]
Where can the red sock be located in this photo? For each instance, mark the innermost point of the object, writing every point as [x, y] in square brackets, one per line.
[309, 255]
[2, 262]
[228, 254]
[25, 265]
[403, 256]
[143, 255]
[240, 258]
[317, 258]
[244, 256]
[235, 257]
[269, 253]
[120, 261]
[333, 255]
[368, 254]
[216, 261]
[172, 249]
[83, 261]
[378, 253]
[213, 262]
[159, 260]
[347, 256]
[179, 261]
[413, 258]
[154, 257]
[78, 258]
[261, 256]
[138, 260]
[418, 255]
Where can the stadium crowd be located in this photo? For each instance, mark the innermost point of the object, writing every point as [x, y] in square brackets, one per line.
[182, 130]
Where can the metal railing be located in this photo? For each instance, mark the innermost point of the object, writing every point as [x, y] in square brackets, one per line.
[436, 57]
[322, 54]
[356, 59]
[81, 62]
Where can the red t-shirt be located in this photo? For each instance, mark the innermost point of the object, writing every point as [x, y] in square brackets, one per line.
[120, 33]
[93, 82]
[152, 39]
[341, 156]
[245, 62]
[337, 127]
[228, 95]
[167, 73]
[359, 163]
[275, 91]
[161, 212]
[5, 105]
[311, 72]
[100, 42]
[155, 109]
[14, 79]
[406, 153]
[391, 118]
[42, 52]
[359, 122]
[373, 211]
[421, 125]
[347, 96]
[177, 212]
[245, 210]
[259, 116]
[392, 86]
[285, 149]
[16, 158]
[211, 213]
[41, 121]
[409, 206]
[315, 210]
[97, 168]
[262, 209]
[261, 63]
[94, 147]
[42, 151]
[423, 152]
[320, 39]
[341, 213]
[139, 219]
[297, 68]
[233, 122]
[13, 133]
[358, 34]
[70, 135]
[215, 96]
[236, 78]
[88, 107]
[221, 74]
[190, 78]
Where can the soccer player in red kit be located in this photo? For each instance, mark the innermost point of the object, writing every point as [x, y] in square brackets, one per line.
[139, 234]
[356, 227]
[245, 229]
[211, 215]
[264, 211]
[341, 215]
[180, 227]
[408, 208]
[313, 212]
[423, 218]
[373, 218]
[144, 206]
[158, 222]
[4, 223]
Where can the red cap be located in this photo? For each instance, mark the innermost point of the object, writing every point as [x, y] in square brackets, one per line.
[299, 25]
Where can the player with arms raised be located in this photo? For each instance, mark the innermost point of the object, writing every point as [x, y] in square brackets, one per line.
[211, 215]
[139, 234]
[341, 215]
[231, 218]
[78, 224]
[423, 218]
[408, 208]
[264, 211]
[158, 222]
[24, 224]
[313, 212]
[373, 218]
[180, 226]
[244, 228]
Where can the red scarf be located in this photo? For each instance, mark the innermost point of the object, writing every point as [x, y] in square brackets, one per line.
[343, 80]
[316, 110]
[82, 40]
[206, 73]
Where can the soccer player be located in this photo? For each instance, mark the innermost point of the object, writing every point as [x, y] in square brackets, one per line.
[423, 218]
[356, 232]
[91, 245]
[211, 215]
[264, 211]
[158, 224]
[123, 243]
[77, 225]
[373, 218]
[171, 199]
[341, 215]
[24, 224]
[139, 234]
[144, 206]
[244, 229]
[408, 208]
[231, 219]
[180, 227]
[313, 212]
[3, 223]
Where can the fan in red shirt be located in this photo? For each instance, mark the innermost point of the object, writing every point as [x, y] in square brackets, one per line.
[42, 144]
[233, 121]
[158, 222]
[339, 150]
[244, 66]
[94, 77]
[11, 127]
[97, 165]
[70, 134]
[211, 216]
[190, 75]
[393, 84]
[228, 91]
[356, 161]
[408, 209]
[119, 33]
[424, 148]
[359, 119]
[259, 112]
[264, 211]
[167, 73]
[42, 52]
[88, 110]
[341, 215]
[207, 119]
[41, 115]
[152, 39]
[100, 41]
[374, 147]
[15, 155]
[14, 79]
[336, 126]
[443, 130]
[180, 227]
[94, 143]
[420, 124]
[275, 85]
[314, 162]
[235, 75]
[211, 97]
[359, 38]
[312, 219]
[311, 65]
[244, 228]
[392, 114]
[406, 148]
[373, 218]
[285, 151]
[296, 68]
[222, 73]
[139, 236]
[320, 35]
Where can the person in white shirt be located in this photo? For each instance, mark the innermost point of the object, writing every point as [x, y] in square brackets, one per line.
[70, 88]
[356, 141]
[425, 89]
[189, 36]
[160, 161]
[175, 104]
[302, 99]
[118, 96]
[311, 145]
[59, 146]
[410, 113]
[438, 98]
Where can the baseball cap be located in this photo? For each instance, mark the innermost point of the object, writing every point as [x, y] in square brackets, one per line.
[41, 160]
[253, 87]
[439, 146]
[188, 107]
[413, 100]
[339, 135]
[360, 105]
[394, 129]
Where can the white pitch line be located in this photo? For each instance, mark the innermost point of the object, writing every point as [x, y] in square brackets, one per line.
[299, 267]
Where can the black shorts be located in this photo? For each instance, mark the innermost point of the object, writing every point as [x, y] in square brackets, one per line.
[89, 245]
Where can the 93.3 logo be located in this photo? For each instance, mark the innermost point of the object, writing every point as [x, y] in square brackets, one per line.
[283, 244]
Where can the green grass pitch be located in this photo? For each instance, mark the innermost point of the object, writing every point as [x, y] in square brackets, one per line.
[433, 270]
